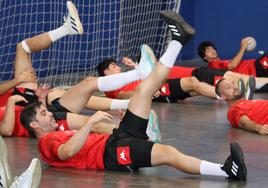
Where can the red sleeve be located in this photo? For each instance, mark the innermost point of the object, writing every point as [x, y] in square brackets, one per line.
[234, 114]
[48, 147]
[218, 64]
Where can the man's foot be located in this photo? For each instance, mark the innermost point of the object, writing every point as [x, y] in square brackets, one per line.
[250, 88]
[5, 172]
[72, 22]
[146, 64]
[234, 165]
[153, 131]
[30, 178]
[181, 31]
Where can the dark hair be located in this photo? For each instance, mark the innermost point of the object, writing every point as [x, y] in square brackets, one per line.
[104, 65]
[217, 87]
[201, 50]
[28, 115]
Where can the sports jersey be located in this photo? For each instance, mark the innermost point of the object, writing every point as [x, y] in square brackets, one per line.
[89, 156]
[245, 66]
[4, 97]
[256, 110]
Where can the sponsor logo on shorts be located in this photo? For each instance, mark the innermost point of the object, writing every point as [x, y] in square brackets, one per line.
[123, 155]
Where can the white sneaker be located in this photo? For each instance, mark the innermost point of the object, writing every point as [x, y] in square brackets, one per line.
[5, 172]
[147, 61]
[153, 131]
[250, 88]
[30, 178]
[72, 22]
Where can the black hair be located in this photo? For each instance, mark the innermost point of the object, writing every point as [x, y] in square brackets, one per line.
[28, 115]
[201, 50]
[104, 65]
[217, 87]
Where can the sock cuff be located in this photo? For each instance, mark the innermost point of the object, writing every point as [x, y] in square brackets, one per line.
[25, 47]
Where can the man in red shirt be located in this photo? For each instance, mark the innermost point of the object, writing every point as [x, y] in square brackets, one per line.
[127, 149]
[256, 67]
[251, 115]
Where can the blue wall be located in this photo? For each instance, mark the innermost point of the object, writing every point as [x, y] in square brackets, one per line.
[225, 23]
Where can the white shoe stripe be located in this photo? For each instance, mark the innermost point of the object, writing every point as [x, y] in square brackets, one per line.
[235, 169]
[234, 172]
[178, 34]
[172, 26]
[235, 164]
[175, 30]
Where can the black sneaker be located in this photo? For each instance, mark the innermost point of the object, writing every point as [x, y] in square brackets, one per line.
[250, 88]
[181, 31]
[241, 86]
[234, 165]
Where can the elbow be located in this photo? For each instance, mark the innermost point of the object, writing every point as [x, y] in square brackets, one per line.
[6, 132]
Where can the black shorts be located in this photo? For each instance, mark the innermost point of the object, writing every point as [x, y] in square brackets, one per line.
[208, 75]
[28, 94]
[127, 149]
[260, 70]
[56, 106]
[175, 92]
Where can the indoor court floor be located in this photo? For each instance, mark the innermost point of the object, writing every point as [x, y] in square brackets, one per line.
[197, 126]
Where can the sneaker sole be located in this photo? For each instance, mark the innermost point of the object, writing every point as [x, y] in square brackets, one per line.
[145, 50]
[238, 157]
[74, 14]
[251, 86]
[174, 17]
[4, 161]
[37, 172]
[150, 52]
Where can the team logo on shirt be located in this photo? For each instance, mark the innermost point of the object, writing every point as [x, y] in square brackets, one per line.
[123, 155]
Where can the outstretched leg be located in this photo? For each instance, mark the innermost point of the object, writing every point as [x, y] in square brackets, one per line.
[43, 41]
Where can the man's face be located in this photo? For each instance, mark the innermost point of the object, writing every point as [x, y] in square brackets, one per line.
[45, 119]
[210, 54]
[113, 68]
[229, 90]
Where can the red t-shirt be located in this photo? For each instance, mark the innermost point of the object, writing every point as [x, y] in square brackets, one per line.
[256, 110]
[245, 67]
[19, 130]
[90, 155]
[4, 97]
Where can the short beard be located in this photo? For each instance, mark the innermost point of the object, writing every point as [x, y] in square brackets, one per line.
[239, 96]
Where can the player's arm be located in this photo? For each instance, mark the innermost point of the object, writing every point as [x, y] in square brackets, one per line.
[237, 59]
[248, 124]
[72, 146]
[125, 94]
[8, 122]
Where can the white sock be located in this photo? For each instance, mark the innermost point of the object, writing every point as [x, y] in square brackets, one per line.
[259, 85]
[212, 169]
[116, 81]
[119, 104]
[170, 56]
[58, 33]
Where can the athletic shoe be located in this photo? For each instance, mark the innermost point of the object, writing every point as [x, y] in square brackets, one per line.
[250, 88]
[234, 165]
[146, 64]
[72, 22]
[181, 31]
[153, 131]
[241, 86]
[5, 172]
[30, 178]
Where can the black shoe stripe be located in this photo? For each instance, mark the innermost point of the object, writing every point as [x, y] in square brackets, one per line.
[72, 18]
[74, 28]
